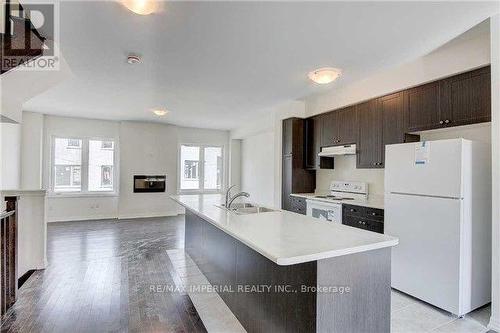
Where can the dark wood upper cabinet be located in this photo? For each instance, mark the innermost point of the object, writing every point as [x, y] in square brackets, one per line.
[423, 107]
[329, 129]
[370, 135]
[287, 136]
[347, 125]
[458, 100]
[313, 146]
[466, 98]
[339, 127]
[393, 126]
[392, 108]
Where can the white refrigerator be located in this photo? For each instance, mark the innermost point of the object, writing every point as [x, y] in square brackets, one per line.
[438, 203]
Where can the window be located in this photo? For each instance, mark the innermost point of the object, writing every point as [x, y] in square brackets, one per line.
[83, 165]
[201, 168]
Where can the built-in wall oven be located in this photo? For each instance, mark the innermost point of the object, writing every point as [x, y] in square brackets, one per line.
[328, 211]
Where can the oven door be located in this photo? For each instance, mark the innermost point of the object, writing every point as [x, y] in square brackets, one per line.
[325, 211]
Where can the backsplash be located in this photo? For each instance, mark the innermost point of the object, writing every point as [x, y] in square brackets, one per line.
[345, 166]
[345, 169]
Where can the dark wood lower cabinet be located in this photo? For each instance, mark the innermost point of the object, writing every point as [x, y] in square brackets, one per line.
[366, 218]
[227, 262]
[299, 205]
[288, 303]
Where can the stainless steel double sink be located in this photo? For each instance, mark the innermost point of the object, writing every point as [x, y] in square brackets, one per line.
[244, 208]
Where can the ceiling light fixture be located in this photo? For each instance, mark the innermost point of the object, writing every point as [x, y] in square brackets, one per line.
[141, 7]
[133, 59]
[160, 112]
[324, 75]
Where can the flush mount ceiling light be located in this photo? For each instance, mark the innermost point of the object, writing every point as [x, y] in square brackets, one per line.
[141, 7]
[133, 59]
[160, 112]
[324, 75]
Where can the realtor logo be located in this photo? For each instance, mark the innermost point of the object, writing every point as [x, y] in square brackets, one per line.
[29, 36]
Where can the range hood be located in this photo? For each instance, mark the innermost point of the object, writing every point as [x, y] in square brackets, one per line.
[338, 150]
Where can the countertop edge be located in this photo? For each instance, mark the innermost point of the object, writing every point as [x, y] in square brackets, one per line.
[286, 261]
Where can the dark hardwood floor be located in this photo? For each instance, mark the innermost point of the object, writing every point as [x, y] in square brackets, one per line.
[99, 279]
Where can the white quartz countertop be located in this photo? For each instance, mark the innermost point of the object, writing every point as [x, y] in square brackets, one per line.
[284, 237]
[23, 192]
[373, 201]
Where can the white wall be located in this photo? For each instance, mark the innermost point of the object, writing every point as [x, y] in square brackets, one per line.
[10, 156]
[142, 148]
[235, 162]
[31, 150]
[271, 122]
[495, 148]
[257, 167]
[147, 149]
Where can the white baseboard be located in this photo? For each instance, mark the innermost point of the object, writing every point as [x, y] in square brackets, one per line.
[81, 218]
[109, 217]
[146, 215]
[494, 324]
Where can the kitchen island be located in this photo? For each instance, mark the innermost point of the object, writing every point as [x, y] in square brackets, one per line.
[281, 271]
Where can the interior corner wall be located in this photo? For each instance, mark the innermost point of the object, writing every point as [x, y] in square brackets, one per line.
[32, 128]
[495, 148]
[235, 163]
[257, 167]
[10, 158]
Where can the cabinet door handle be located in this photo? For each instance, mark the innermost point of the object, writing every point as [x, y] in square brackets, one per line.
[441, 122]
[447, 121]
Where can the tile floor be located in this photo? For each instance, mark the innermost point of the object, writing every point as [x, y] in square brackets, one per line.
[409, 315]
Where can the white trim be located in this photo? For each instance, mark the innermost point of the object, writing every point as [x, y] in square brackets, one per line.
[201, 158]
[494, 324]
[82, 218]
[147, 215]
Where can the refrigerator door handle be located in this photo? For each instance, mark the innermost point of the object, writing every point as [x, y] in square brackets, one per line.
[426, 195]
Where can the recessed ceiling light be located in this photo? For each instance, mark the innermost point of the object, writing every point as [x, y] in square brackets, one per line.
[324, 75]
[141, 7]
[160, 112]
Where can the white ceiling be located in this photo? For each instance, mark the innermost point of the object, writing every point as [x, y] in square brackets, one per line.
[219, 64]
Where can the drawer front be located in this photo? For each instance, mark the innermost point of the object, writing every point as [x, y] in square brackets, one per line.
[364, 224]
[299, 205]
[374, 214]
[353, 210]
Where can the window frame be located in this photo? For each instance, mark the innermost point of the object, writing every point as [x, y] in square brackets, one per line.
[201, 169]
[84, 191]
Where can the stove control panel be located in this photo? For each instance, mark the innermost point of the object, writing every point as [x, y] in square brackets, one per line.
[352, 187]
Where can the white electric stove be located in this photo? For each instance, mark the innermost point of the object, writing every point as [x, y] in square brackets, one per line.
[329, 207]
